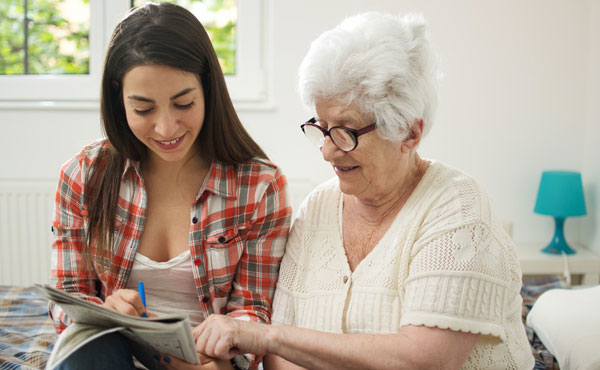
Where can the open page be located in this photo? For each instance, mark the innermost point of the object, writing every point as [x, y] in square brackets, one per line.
[169, 334]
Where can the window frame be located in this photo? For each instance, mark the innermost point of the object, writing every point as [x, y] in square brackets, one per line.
[248, 88]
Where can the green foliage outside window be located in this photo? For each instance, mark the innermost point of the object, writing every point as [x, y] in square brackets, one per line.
[52, 36]
[36, 37]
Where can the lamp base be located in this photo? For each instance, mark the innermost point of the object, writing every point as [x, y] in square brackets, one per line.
[553, 249]
[559, 245]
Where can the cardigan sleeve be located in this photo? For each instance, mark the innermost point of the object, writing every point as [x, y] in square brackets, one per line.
[283, 301]
[317, 211]
[463, 271]
[289, 282]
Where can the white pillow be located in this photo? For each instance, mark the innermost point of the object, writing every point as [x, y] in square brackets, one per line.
[568, 323]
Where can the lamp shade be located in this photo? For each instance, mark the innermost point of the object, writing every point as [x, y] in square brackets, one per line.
[560, 194]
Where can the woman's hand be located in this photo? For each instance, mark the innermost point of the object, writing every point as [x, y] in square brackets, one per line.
[206, 363]
[224, 337]
[126, 301]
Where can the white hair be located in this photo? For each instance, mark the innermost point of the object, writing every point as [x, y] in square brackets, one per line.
[382, 64]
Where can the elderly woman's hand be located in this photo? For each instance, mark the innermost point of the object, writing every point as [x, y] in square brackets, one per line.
[224, 337]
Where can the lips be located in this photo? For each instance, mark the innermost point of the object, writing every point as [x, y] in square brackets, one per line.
[170, 144]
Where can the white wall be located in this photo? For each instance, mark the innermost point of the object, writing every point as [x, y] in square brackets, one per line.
[520, 95]
[591, 169]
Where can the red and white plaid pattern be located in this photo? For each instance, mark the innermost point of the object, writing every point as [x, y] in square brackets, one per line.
[238, 229]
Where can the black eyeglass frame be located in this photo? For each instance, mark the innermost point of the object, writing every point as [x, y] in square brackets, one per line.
[356, 133]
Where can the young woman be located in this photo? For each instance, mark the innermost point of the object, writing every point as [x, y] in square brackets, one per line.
[178, 195]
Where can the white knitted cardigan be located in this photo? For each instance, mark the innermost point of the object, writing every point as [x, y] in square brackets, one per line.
[445, 262]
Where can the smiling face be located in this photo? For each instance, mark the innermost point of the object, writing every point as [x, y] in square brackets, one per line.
[164, 107]
[374, 170]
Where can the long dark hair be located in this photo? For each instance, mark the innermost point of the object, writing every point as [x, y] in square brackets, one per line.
[169, 35]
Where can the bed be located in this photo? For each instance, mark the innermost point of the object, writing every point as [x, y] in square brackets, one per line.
[27, 334]
[530, 291]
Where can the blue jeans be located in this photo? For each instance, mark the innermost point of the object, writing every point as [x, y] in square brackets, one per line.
[110, 351]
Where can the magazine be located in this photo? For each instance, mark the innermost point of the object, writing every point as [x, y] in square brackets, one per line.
[167, 334]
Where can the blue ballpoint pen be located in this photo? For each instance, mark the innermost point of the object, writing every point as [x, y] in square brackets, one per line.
[142, 295]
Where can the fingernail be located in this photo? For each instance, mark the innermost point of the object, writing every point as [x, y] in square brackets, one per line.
[157, 356]
[167, 360]
[144, 315]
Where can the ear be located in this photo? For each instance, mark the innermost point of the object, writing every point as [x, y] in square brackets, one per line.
[414, 137]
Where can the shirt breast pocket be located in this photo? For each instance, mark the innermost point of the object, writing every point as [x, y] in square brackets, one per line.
[224, 248]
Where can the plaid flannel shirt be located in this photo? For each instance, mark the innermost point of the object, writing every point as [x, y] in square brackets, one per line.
[239, 225]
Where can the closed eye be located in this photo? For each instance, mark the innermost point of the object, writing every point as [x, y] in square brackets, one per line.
[184, 106]
[143, 112]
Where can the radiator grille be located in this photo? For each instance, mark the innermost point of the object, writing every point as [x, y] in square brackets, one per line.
[25, 236]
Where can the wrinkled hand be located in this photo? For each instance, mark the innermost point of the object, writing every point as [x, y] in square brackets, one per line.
[224, 337]
[126, 301]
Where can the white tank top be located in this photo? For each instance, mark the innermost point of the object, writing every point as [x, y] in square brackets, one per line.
[169, 286]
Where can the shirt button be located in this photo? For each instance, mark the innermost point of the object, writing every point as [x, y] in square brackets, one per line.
[345, 279]
[197, 262]
[195, 220]
[205, 299]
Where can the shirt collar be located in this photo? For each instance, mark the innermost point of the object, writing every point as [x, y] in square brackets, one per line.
[221, 180]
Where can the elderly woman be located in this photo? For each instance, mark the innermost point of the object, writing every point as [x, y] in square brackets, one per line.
[398, 262]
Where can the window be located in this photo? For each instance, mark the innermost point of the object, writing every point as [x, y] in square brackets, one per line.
[219, 18]
[41, 59]
[48, 37]
[52, 51]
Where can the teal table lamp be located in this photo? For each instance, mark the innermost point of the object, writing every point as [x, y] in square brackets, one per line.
[560, 195]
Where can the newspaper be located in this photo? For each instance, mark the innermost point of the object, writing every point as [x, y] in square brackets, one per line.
[168, 334]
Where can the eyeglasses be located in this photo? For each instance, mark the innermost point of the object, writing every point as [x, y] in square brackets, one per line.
[346, 139]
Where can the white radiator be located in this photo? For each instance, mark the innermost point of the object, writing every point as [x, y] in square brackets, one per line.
[25, 237]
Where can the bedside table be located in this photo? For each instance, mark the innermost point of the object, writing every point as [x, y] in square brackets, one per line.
[536, 262]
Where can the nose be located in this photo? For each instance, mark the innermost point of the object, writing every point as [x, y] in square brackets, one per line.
[329, 150]
[166, 124]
